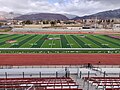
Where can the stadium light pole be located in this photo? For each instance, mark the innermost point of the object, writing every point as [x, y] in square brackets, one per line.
[12, 17]
[95, 23]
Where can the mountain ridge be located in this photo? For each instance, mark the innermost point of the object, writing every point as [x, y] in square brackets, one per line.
[42, 16]
[102, 15]
[55, 16]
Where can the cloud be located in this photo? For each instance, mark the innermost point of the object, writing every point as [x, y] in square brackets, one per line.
[25, 6]
[78, 7]
[85, 7]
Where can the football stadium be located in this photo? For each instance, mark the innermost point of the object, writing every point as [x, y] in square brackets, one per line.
[59, 44]
[59, 61]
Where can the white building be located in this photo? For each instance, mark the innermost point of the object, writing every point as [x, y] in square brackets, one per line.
[116, 26]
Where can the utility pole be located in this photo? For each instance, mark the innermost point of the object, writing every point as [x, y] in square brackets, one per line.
[95, 23]
[12, 18]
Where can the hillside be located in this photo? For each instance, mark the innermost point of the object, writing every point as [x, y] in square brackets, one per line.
[42, 16]
[102, 15]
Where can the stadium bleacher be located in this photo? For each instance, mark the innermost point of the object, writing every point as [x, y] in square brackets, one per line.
[108, 83]
[57, 83]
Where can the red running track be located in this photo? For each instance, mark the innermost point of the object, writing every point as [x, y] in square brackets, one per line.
[59, 59]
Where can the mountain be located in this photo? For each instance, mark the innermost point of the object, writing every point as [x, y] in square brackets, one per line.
[2, 18]
[2, 15]
[42, 16]
[8, 15]
[102, 15]
[70, 16]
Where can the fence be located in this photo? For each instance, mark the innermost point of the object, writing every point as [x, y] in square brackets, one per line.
[79, 74]
[58, 66]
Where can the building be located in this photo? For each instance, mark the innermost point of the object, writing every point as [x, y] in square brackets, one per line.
[116, 26]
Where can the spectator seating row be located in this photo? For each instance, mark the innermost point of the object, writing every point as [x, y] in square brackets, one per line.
[51, 83]
[109, 83]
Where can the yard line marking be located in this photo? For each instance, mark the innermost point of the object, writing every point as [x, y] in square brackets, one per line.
[52, 42]
[3, 43]
[79, 41]
[60, 42]
[68, 41]
[44, 40]
[75, 41]
[93, 42]
[33, 36]
[38, 40]
[84, 41]
[99, 41]
[113, 43]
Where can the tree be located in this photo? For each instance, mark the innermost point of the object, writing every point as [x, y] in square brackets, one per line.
[58, 21]
[27, 22]
[112, 21]
[108, 21]
[37, 22]
[1, 24]
[99, 22]
[45, 22]
[53, 23]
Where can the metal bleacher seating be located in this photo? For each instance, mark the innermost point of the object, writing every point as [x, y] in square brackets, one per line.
[108, 83]
[57, 83]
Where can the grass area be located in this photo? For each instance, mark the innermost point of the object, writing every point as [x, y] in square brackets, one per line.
[79, 43]
[5, 30]
[57, 51]
[58, 41]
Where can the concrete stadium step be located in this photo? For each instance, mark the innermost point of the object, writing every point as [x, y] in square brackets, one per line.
[83, 85]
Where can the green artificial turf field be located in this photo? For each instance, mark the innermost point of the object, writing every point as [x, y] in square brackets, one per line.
[88, 41]
[58, 41]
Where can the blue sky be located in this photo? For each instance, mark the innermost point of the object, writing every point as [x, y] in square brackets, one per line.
[77, 7]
